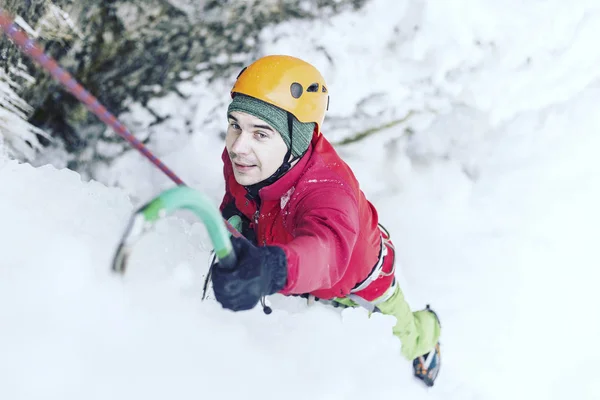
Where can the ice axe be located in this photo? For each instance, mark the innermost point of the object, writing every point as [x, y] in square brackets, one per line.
[178, 198]
[169, 201]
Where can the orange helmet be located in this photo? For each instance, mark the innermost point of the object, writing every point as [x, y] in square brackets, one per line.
[288, 83]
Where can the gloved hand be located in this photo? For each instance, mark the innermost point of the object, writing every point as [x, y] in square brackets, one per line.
[259, 271]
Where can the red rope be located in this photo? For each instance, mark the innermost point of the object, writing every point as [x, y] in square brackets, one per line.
[29, 47]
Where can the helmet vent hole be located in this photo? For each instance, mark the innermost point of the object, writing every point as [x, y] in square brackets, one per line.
[313, 88]
[324, 89]
[296, 90]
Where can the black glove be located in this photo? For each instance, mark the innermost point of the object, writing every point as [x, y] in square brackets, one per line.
[259, 271]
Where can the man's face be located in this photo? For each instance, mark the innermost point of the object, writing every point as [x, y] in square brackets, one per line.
[256, 149]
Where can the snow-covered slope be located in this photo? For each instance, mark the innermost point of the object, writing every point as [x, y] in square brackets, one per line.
[71, 330]
[492, 203]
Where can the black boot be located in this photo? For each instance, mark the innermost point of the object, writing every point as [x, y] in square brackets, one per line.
[427, 366]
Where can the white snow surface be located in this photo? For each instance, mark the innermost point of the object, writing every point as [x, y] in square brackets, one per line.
[492, 203]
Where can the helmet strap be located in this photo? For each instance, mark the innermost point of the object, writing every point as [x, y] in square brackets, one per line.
[286, 158]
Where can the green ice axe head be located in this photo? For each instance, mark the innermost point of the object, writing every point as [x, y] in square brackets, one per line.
[180, 197]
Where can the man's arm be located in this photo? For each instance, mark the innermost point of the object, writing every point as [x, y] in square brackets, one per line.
[326, 228]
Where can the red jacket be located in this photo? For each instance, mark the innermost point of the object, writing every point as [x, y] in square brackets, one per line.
[321, 219]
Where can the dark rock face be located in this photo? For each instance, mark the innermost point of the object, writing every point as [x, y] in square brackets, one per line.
[126, 51]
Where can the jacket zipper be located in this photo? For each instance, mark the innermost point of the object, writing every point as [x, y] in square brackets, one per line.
[256, 215]
[256, 218]
[259, 237]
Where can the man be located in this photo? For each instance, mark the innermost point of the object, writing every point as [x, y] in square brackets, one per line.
[309, 229]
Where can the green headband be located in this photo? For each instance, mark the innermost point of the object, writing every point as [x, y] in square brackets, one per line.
[276, 117]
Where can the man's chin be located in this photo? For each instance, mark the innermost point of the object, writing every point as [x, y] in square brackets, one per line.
[245, 180]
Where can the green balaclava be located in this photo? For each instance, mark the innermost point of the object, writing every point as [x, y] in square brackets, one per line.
[302, 133]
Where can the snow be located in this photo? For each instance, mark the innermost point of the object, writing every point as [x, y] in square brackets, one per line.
[492, 201]
[73, 330]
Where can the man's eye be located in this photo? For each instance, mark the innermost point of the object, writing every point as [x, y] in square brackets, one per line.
[235, 126]
[262, 135]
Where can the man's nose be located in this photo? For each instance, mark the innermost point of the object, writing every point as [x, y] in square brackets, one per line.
[241, 144]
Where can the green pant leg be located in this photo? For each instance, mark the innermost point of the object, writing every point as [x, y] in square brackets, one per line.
[345, 301]
[418, 331]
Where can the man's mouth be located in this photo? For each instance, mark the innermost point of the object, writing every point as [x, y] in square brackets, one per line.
[242, 167]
